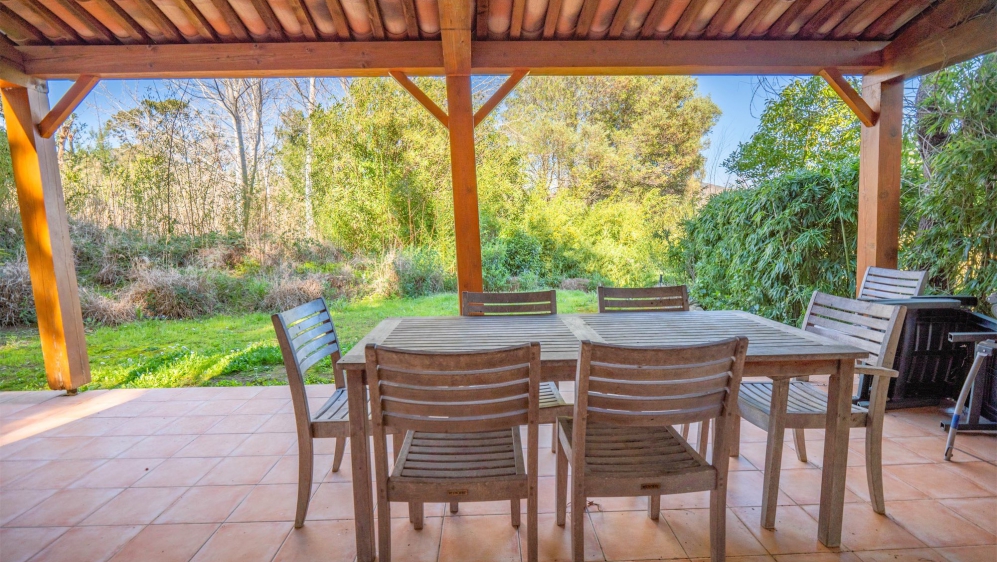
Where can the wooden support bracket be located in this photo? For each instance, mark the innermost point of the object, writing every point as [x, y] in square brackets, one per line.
[852, 99]
[514, 79]
[69, 102]
[420, 96]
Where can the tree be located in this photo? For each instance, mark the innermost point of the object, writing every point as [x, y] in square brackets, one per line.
[805, 127]
[600, 136]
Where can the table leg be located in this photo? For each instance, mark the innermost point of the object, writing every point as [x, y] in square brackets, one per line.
[363, 506]
[836, 428]
[773, 451]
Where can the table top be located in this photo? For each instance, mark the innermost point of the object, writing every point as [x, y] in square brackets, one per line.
[560, 334]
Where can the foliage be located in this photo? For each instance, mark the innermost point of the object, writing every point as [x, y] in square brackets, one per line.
[765, 250]
[219, 350]
[956, 239]
[805, 127]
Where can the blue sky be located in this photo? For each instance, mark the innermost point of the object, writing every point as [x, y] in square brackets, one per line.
[735, 95]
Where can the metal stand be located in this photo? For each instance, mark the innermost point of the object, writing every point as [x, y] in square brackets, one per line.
[986, 344]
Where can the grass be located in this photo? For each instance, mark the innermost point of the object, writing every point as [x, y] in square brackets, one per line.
[215, 351]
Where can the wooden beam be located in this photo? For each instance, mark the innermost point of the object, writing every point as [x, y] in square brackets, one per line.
[955, 31]
[46, 239]
[504, 90]
[65, 107]
[848, 95]
[455, 35]
[421, 58]
[420, 96]
[879, 178]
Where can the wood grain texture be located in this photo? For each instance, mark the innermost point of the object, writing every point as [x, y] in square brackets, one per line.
[852, 98]
[66, 105]
[661, 299]
[504, 90]
[420, 96]
[46, 240]
[880, 153]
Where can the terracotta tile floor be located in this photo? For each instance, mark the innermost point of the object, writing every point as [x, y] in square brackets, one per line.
[210, 473]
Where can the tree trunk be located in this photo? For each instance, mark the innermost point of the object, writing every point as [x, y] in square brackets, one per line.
[309, 155]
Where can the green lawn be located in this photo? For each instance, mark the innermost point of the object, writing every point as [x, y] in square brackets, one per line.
[220, 350]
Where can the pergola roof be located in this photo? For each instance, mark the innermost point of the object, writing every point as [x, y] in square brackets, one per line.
[191, 38]
[103, 22]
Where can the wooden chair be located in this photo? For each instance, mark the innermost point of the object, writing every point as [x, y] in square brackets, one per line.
[306, 336]
[866, 325]
[650, 299]
[461, 415]
[620, 442]
[536, 303]
[880, 283]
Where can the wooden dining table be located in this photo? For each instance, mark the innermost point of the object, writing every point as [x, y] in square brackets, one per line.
[775, 350]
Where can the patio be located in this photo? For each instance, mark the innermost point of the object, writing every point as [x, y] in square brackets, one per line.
[210, 474]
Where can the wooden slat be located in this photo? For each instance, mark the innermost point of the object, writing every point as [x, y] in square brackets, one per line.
[239, 30]
[550, 22]
[104, 35]
[647, 30]
[411, 21]
[376, 23]
[65, 106]
[338, 19]
[620, 18]
[504, 90]
[829, 15]
[197, 19]
[688, 18]
[895, 18]
[848, 95]
[68, 33]
[585, 17]
[137, 32]
[863, 16]
[789, 17]
[304, 18]
[481, 19]
[159, 19]
[516, 25]
[756, 16]
[265, 12]
[13, 24]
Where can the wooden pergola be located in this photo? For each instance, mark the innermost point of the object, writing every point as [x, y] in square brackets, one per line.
[884, 41]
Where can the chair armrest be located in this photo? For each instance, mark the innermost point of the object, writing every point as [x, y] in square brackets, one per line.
[876, 371]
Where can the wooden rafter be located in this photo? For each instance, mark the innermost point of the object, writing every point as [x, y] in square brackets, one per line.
[163, 23]
[376, 23]
[411, 19]
[238, 28]
[585, 18]
[550, 21]
[135, 30]
[55, 21]
[65, 107]
[13, 24]
[504, 90]
[338, 19]
[955, 31]
[304, 18]
[103, 34]
[620, 18]
[420, 96]
[516, 25]
[194, 15]
[847, 93]
[648, 29]
[270, 19]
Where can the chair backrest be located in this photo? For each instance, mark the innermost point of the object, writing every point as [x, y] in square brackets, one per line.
[869, 326]
[453, 392]
[523, 304]
[657, 386]
[649, 299]
[306, 336]
[880, 283]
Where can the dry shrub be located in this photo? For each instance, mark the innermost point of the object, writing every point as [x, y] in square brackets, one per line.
[103, 310]
[17, 305]
[382, 277]
[170, 294]
[289, 292]
[576, 284]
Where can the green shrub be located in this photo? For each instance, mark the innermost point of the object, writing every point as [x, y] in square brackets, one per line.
[420, 271]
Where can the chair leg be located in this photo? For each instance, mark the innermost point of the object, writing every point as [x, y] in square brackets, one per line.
[532, 509]
[685, 431]
[735, 435]
[515, 508]
[801, 444]
[704, 437]
[773, 451]
[305, 464]
[340, 449]
[453, 507]
[577, 520]
[874, 443]
[415, 514]
[561, 493]
[718, 524]
[553, 437]
[383, 527]
[654, 507]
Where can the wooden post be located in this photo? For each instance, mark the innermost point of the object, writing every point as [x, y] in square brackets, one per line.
[455, 31]
[879, 178]
[46, 239]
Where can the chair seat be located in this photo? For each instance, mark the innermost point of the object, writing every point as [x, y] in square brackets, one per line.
[635, 452]
[806, 408]
[333, 418]
[552, 404]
